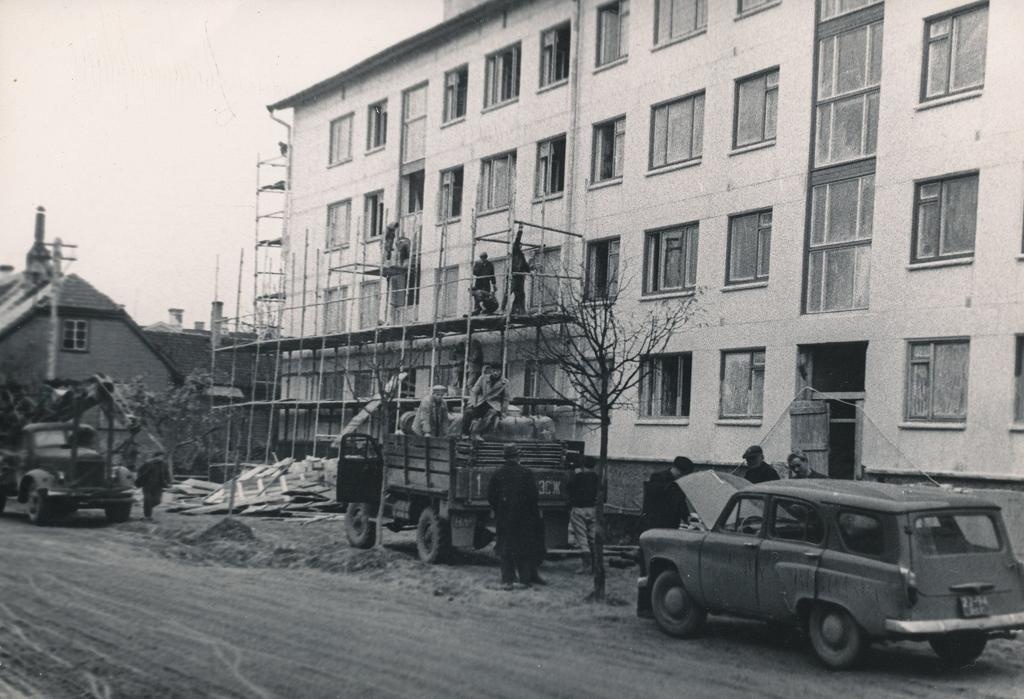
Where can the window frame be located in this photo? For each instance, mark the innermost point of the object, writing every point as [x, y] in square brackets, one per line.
[883, 520]
[841, 13]
[615, 135]
[79, 335]
[548, 65]
[654, 269]
[760, 275]
[447, 193]
[908, 375]
[331, 143]
[759, 75]
[377, 125]
[542, 187]
[487, 195]
[732, 506]
[701, 9]
[380, 212]
[492, 80]
[341, 303]
[651, 386]
[331, 243]
[915, 230]
[622, 50]
[667, 105]
[611, 275]
[408, 123]
[452, 93]
[772, 518]
[927, 40]
[753, 366]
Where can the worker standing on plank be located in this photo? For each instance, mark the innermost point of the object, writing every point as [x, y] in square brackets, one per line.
[152, 478]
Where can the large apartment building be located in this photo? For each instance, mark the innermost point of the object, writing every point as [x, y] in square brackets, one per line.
[841, 181]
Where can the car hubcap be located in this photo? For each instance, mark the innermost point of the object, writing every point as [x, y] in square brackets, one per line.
[674, 602]
[833, 630]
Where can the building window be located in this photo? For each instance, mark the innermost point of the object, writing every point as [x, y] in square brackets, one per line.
[954, 59]
[339, 218]
[455, 84]
[550, 167]
[677, 131]
[750, 244]
[451, 194]
[602, 268]
[744, 6]
[502, 76]
[341, 140]
[448, 293]
[677, 18]
[945, 216]
[839, 254]
[849, 72]
[75, 336]
[670, 259]
[369, 304]
[833, 8]
[373, 214]
[937, 380]
[742, 383]
[544, 278]
[335, 310]
[498, 174]
[612, 32]
[414, 123]
[757, 101]
[1018, 381]
[377, 125]
[665, 385]
[554, 55]
[609, 146]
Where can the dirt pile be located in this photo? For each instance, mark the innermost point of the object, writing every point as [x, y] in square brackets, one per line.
[227, 529]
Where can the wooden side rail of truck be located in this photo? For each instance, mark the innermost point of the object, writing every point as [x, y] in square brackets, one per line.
[438, 486]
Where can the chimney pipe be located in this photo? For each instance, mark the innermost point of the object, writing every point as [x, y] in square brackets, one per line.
[200, 325]
[40, 224]
[176, 316]
[216, 321]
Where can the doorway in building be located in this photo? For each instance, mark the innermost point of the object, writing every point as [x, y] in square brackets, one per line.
[826, 417]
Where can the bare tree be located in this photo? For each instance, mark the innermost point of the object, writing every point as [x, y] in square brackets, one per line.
[599, 352]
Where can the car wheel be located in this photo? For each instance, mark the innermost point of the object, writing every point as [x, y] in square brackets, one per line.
[959, 649]
[675, 611]
[359, 526]
[433, 538]
[837, 638]
[121, 512]
[39, 510]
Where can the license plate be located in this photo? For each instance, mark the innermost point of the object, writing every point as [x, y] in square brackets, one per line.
[549, 488]
[974, 605]
[463, 521]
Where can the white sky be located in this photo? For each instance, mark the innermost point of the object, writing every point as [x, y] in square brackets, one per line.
[137, 124]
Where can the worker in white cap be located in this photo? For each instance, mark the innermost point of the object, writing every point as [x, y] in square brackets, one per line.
[432, 414]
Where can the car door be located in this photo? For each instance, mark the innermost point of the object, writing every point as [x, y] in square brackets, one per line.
[728, 559]
[787, 564]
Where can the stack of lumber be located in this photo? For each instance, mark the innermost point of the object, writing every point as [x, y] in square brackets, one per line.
[287, 488]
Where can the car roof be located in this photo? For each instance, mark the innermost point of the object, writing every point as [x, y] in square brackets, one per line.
[886, 497]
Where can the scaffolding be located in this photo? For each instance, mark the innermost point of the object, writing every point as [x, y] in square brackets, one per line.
[341, 340]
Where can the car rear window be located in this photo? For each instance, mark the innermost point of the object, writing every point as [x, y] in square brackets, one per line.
[862, 533]
[946, 534]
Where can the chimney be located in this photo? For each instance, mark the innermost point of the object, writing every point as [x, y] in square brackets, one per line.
[200, 325]
[216, 322]
[37, 263]
[175, 316]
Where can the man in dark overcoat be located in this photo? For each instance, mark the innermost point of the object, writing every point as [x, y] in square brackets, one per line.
[512, 494]
[152, 478]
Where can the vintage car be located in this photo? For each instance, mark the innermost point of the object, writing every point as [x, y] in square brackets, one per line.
[848, 562]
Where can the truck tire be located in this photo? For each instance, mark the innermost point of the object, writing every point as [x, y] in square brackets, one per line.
[433, 537]
[39, 510]
[359, 525]
[120, 512]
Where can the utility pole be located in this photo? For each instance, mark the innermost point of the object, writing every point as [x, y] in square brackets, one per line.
[56, 281]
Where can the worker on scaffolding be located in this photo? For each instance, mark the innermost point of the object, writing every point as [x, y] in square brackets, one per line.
[520, 268]
[488, 401]
[484, 285]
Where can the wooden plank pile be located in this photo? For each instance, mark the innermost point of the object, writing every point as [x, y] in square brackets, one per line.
[287, 488]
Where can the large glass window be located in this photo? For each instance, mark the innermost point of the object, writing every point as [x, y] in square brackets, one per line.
[373, 214]
[670, 259]
[750, 242]
[742, 391]
[554, 54]
[945, 217]
[612, 32]
[502, 76]
[757, 99]
[369, 304]
[609, 148]
[455, 86]
[336, 310]
[677, 131]
[839, 255]
[414, 123]
[339, 221]
[937, 380]
[377, 125]
[677, 18]
[665, 385]
[451, 194]
[954, 58]
[448, 294]
[602, 268]
[550, 167]
[341, 140]
[945, 534]
[498, 174]
[849, 72]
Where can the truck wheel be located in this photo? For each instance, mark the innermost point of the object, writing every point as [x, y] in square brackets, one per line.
[959, 650]
[836, 636]
[433, 537]
[121, 512]
[39, 510]
[359, 527]
[675, 611]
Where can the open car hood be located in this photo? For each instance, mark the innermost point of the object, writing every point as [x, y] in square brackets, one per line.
[708, 492]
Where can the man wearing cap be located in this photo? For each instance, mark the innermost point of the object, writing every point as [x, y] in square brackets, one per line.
[484, 284]
[432, 414]
[758, 471]
[664, 501]
[512, 494]
[152, 478]
[488, 399]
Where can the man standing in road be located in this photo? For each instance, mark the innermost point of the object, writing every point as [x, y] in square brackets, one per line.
[152, 478]
[432, 414]
[799, 468]
[512, 494]
[582, 490]
[758, 471]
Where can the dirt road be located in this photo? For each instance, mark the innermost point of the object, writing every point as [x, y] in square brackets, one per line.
[152, 610]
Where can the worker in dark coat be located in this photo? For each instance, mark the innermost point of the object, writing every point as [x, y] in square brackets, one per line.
[484, 284]
[152, 478]
[664, 501]
[758, 470]
[512, 494]
[520, 268]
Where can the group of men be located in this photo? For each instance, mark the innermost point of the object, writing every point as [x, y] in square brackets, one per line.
[488, 401]
[485, 283]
